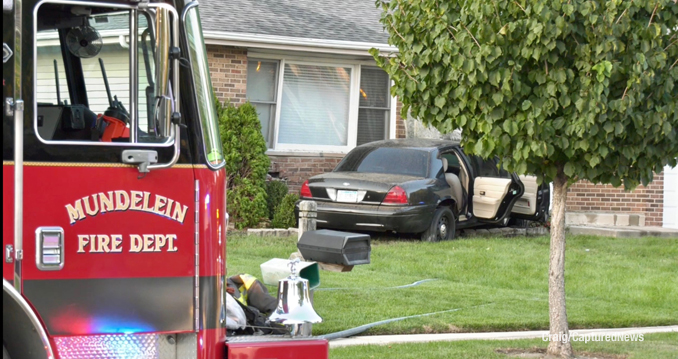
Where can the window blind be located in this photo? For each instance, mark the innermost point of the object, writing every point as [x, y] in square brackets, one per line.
[261, 92]
[374, 113]
[315, 105]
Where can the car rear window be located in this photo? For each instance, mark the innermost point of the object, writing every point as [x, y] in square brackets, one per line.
[388, 160]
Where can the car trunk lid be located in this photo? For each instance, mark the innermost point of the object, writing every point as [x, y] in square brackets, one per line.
[368, 187]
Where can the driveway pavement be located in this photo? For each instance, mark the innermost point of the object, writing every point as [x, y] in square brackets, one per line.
[424, 338]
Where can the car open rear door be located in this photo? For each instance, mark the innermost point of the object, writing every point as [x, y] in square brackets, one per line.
[494, 191]
[534, 203]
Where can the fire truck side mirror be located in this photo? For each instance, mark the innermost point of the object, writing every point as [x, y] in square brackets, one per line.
[163, 42]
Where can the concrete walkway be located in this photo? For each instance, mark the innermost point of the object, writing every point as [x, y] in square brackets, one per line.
[624, 231]
[425, 338]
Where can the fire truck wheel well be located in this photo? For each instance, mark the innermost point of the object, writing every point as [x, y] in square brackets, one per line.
[21, 338]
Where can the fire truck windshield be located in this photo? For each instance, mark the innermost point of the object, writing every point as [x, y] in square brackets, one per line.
[203, 88]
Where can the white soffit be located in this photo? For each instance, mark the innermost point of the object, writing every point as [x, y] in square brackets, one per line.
[294, 43]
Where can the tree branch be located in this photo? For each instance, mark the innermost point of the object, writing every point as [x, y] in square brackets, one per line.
[396, 31]
[652, 17]
[674, 64]
[451, 34]
[624, 95]
[520, 6]
[496, 11]
[671, 44]
[405, 71]
[575, 40]
[622, 14]
[473, 37]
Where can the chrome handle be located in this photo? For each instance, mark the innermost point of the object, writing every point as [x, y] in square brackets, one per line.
[49, 249]
[9, 253]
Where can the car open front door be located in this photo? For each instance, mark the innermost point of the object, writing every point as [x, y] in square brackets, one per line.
[494, 191]
[534, 203]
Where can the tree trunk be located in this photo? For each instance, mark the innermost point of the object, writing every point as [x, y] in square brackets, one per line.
[559, 344]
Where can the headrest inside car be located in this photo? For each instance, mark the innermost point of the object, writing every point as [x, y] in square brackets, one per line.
[444, 164]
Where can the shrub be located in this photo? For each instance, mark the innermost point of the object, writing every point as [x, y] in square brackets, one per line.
[276, 191]
[246, 163]
[284, 215]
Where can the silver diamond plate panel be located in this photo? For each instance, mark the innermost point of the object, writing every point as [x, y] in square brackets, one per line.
[132, 346]
[187, 346]
[167, 347]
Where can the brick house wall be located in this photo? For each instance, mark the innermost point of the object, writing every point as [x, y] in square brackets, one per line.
[297, 169]
[228, 67]
[401, 130]
[585, 196]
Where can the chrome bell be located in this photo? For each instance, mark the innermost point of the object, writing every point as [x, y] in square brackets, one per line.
[294, 304]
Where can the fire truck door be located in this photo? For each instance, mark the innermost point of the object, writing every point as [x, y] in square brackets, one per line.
[108, 252]
[107, 249]
[7, 142]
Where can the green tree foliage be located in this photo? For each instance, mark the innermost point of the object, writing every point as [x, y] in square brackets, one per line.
[246, 163]
[566, 90]
[284, 214]
[588, 87]
[276, 191]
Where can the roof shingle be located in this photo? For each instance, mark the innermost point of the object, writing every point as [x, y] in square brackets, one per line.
[347, 20]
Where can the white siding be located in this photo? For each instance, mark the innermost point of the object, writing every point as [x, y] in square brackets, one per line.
[116, 61]
[671, 197]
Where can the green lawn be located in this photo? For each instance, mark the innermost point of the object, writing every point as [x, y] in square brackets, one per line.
[655, 346]
[497, 284]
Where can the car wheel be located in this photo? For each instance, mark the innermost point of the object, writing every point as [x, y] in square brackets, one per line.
[442, 228]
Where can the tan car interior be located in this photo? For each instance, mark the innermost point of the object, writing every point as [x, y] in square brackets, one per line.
[488, 193]
[454, 182]
[527, 203]
[463, 173]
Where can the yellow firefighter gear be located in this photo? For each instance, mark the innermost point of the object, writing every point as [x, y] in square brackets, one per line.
[247, 281]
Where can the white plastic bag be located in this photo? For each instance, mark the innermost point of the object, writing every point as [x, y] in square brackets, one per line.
[235, 316]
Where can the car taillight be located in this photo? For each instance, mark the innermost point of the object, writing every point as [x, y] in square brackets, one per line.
[305, 191]
[396, 195]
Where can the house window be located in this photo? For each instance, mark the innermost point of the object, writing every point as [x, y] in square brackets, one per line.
[262, 88]
[317, 106]
[374, 110]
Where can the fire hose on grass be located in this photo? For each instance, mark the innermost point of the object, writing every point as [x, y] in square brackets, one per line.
[383, 288]
[358, 330]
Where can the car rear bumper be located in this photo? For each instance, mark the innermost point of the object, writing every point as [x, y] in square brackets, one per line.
[404, 219]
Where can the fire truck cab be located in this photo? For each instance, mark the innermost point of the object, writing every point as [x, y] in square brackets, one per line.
[114, 208]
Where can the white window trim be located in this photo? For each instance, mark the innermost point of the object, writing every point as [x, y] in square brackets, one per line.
[356, 70]
[392, 133]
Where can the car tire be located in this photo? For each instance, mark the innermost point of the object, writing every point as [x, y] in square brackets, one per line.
[442, 227]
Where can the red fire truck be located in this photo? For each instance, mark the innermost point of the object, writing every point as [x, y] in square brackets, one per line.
[114, 208]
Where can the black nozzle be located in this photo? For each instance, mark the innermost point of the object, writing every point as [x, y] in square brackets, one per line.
[108, 87]
[56, 80]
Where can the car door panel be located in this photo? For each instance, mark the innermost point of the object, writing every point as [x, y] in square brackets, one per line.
[488, 194]
[527, 203]
[534, 204]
